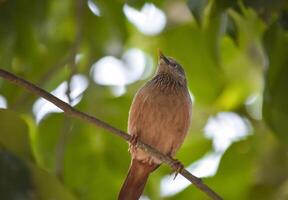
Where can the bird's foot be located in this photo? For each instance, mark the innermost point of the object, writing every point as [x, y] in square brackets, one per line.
[133, 142]
[178, 166]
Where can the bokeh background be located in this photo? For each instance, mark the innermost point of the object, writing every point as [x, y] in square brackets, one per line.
[95, 54]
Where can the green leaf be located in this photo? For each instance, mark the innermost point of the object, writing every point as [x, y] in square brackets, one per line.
[46, 139]
[15, 180]
[235, 170]
[14, 134]
[243, 78]
[231, 29]
[190, 45]
[22, 180]
[275, 107]
[194, 147]
[269, 10]
[283, 19]
[197, 8]
[47, 186]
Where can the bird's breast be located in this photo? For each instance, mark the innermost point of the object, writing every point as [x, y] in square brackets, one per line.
[160, 118]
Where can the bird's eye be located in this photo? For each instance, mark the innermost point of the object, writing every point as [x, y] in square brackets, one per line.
[174, 65]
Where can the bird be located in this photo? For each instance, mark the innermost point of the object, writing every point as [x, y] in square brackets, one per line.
[160, 116]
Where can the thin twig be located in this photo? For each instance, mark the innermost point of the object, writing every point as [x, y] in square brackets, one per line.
[70, 111]
[60, 147]
[64, 134]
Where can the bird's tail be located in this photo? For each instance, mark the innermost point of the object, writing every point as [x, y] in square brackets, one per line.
[136, 179]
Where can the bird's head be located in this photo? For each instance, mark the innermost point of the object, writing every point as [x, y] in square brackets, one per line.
[171, 67]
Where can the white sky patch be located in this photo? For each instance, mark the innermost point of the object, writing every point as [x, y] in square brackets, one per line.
[94, 8]
[149, 69]
[207, 166]
[254, 106]
[78, 58]
[78, 85]
[150, 20]
[118, 90]
[3, 102]
[224, 129]
[111, 71]
[144, 198]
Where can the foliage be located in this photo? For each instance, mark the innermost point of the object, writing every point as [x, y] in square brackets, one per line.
[231, 50]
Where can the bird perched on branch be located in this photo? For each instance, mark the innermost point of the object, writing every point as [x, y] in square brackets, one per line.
[160, 116]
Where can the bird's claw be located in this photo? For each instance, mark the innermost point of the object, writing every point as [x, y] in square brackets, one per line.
[133, 140]
[132, 143]
[179, 167]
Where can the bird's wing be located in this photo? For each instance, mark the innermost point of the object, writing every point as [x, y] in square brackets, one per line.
[136, 111]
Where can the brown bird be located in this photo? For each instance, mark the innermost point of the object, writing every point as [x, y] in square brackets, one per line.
[160, 116]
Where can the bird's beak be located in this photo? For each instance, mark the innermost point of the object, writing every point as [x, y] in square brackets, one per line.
[162, 57]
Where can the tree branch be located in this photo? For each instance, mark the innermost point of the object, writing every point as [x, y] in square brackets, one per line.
[70, 111]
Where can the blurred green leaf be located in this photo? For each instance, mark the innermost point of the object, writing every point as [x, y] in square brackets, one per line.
[138, 4]
[283, 19]
[197, 142]
[15, 177]
[14, 134]
[47, 186]
[46, 140]
[197, 8]
[20, 180]
[190, 45]
[268, 10]
[242, 75]
[236, 167]
[275, 108]
[231, 29]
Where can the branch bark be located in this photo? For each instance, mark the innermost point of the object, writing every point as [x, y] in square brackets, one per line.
[70, 111]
